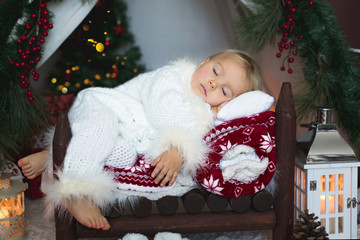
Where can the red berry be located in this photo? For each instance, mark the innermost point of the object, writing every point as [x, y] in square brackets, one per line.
[278, 55]
[291, 60]
[290, 70]
[282, 68]
[30, 98]
[29, 93]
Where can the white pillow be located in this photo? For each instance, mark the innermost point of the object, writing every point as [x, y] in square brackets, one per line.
[244, 105]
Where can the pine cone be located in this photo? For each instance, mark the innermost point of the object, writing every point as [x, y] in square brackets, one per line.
[307, 228]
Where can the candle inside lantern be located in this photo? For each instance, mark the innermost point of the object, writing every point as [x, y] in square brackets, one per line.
[322, 204]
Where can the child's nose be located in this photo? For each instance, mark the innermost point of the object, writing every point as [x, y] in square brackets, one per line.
[212, 84]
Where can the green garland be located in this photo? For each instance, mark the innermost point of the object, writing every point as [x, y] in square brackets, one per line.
[22, 109]
[331, 71]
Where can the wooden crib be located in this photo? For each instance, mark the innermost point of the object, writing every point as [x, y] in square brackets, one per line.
[239, 217]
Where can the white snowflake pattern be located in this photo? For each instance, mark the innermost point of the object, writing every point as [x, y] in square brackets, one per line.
[226, 147]
[212, 185]
[267, 143]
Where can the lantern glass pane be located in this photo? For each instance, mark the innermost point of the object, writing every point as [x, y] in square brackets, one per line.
[303, 181]
[331, 182]
[303, 201]
[341, 203]
[341, 182]
[298, 198]
[332, 204]
[322, 204]
[322, 183]
[323, 222]
[331, 225]
[341, 224]
[298, 174]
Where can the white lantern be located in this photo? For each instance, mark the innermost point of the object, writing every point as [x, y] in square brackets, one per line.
[12, 207]
[326, 178]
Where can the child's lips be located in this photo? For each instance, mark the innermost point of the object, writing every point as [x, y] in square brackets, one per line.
[203, 89]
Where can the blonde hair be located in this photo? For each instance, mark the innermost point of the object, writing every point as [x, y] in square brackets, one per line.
[252, 69]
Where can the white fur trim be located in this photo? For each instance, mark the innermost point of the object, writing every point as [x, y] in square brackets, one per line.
[202, 111]
[98, 188]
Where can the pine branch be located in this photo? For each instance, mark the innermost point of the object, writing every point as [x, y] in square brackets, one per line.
[331, 72]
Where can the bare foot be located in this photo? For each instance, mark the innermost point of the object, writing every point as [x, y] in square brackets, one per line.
[34, 164]
[88, 214]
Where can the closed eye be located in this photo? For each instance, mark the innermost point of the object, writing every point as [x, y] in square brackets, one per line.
[215, 72]
[223, 90]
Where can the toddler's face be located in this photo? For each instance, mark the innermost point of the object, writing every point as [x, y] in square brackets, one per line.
[219, 80]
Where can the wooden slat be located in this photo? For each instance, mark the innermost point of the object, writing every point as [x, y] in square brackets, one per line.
[241, 204]
[185, 223]
[262, 201]
[285, 130]
[65, 227]
[167, 205]
[142, 207]
[193, 201]
[216, 203]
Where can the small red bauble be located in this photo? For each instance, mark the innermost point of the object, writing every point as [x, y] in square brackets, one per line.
[29, 93]
[278, 55]
[290, 70]
[282, 68]
[291, 60]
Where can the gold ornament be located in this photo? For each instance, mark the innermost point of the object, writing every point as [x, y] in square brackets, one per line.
[86, 27]
[100, 47]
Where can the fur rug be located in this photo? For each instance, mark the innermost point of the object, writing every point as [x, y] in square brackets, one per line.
[36, 228]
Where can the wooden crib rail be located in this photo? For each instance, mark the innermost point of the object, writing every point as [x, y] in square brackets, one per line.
[279, 218]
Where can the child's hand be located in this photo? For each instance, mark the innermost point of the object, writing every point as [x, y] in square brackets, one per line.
[167, 166]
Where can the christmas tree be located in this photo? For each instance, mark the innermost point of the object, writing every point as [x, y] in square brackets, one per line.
[307, 29]
[90, 56]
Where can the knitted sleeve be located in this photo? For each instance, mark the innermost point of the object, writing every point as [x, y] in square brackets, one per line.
[170, 110]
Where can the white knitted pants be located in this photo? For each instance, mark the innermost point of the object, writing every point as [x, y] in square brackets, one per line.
[123, 154]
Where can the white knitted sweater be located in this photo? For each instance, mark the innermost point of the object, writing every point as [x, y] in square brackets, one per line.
[155, 111]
